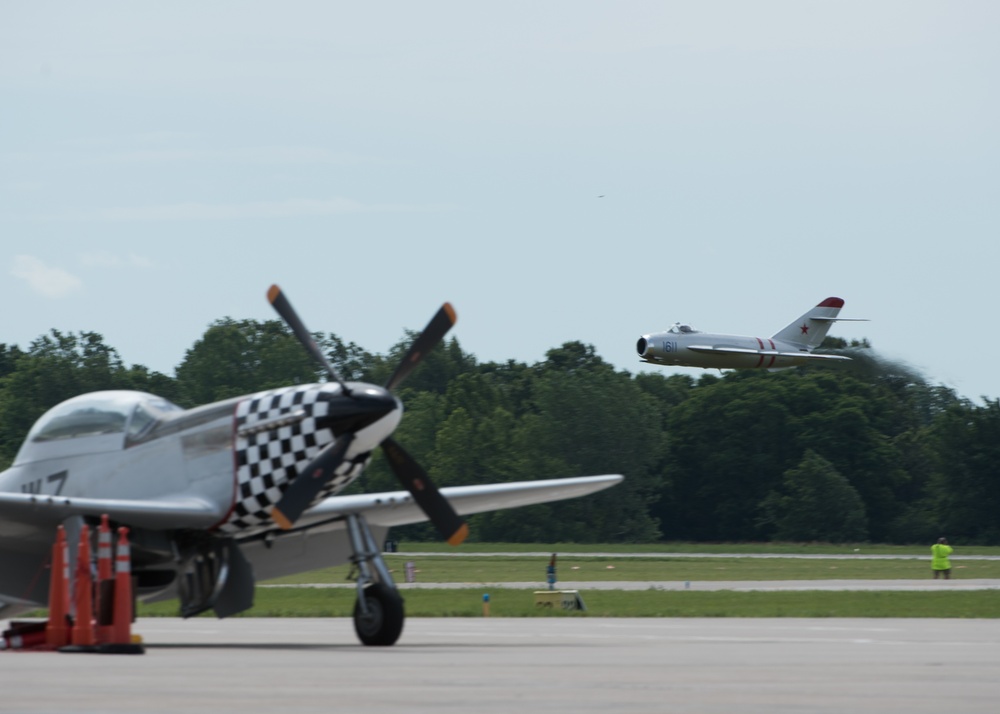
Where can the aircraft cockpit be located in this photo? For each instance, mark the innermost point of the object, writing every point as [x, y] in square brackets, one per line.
[679, 328]
[101, 419]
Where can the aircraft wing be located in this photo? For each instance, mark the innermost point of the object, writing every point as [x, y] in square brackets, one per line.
[724, 350]
[812, 355]
[24, 514]
[711, 349]
[396, 508]
[32, 517]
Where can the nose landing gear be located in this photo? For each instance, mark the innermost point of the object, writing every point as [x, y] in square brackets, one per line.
[378, 612]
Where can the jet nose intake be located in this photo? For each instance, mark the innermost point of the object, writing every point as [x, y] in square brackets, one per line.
[641, 346]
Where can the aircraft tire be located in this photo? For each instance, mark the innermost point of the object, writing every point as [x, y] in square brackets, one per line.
[384, 623]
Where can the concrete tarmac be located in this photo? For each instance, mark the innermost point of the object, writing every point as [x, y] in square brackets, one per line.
[494, 665]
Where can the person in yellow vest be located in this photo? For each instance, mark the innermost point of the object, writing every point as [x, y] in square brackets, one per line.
[940, 565]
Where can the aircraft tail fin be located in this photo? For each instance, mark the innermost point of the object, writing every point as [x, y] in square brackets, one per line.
[810, 329]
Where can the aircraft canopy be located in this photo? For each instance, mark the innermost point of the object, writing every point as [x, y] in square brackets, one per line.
[679, 328]
[98, 414]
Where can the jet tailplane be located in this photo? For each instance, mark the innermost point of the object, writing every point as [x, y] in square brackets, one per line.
[810, 329]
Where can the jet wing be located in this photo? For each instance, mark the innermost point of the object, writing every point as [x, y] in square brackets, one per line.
[397, 508]
[24, 514]
[812, 355]
[711, 349]
[725, 350]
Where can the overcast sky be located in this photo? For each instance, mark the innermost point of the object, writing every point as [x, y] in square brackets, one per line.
[557, 170]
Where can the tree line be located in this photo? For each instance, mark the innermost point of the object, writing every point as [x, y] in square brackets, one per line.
[860, 451]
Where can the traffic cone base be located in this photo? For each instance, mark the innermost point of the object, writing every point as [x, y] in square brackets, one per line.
[94, 649]
[121, 648]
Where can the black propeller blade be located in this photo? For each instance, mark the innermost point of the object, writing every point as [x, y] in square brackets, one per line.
[449, 524]
[308, 484]
[410, 474]
[427, 340]
[291, 318]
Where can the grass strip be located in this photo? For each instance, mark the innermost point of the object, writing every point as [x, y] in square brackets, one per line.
[509, 602]
[681, 547]
[499, 569]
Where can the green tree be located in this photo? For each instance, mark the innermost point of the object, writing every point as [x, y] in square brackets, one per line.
[728, 444]
[588, 420]
[436, 370]
[965, 491]
[814, 503]
[56, 367]
[845, 435]
[351, 362]
[731, 441]
[512, 381]
[241, 357]
[9, 355]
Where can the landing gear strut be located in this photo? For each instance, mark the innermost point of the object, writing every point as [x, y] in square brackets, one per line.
[378, 612]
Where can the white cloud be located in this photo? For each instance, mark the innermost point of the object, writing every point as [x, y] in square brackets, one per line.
[271, 155]
[25, 185]
[138, 261]
[44, 279]
[112, 260]
[291, 208]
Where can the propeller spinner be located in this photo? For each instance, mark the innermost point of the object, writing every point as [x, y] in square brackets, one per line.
[314, 477]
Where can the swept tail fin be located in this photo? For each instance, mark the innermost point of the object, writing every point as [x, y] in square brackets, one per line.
[810, 329]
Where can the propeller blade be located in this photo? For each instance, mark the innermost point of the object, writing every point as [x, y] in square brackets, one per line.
[310, 482]
[425, 493]
[291, 318]
[427, 340]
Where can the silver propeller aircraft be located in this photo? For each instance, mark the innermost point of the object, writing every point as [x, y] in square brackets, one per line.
[684, 346]
[225, 494]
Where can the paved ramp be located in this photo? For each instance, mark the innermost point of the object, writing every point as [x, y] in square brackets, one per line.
[501, 665]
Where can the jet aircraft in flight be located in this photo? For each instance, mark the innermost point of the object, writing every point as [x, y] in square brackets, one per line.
[792, 346]
[223, 495]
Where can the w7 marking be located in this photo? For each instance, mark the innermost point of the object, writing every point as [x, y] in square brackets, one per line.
[36, 485]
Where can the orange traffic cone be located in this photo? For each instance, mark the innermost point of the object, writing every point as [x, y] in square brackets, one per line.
[57, 629]
[121, 628]
[105, 583]
[82, 636]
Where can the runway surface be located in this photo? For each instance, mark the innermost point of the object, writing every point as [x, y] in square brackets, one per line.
[506, 665]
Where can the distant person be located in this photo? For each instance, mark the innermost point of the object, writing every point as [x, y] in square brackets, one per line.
[940, 565]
